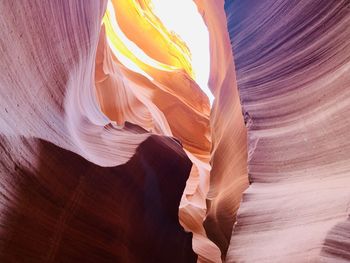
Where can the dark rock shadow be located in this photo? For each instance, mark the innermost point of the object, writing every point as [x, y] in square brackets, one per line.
[66, 209]
[336, 247]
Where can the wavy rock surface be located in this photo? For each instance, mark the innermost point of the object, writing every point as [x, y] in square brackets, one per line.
[228, 177]
[293, 64]
[47, 86]
[72, 112]
[104, 163]
[55, 205]
[171, 102]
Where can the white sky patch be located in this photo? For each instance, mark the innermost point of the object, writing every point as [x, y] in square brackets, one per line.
[183, 18]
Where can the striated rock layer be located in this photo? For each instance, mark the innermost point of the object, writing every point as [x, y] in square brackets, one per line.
[82, 178]
[293, 71]
[110, 149]
[228, 177]
[170, 102]
[58, 204]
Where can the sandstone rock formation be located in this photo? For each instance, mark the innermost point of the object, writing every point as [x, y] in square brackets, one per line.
[292, 63]
[113, 149]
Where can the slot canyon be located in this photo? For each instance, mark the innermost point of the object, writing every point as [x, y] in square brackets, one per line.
[175, 131]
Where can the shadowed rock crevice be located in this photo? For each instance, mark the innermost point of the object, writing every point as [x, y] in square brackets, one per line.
[61, 208]
[337, 244]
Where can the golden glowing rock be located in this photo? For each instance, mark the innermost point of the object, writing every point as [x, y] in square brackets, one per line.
[141, 65]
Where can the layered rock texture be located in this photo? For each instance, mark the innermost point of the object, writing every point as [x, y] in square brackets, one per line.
[293, 71]
[112, 151]
[104, 163]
